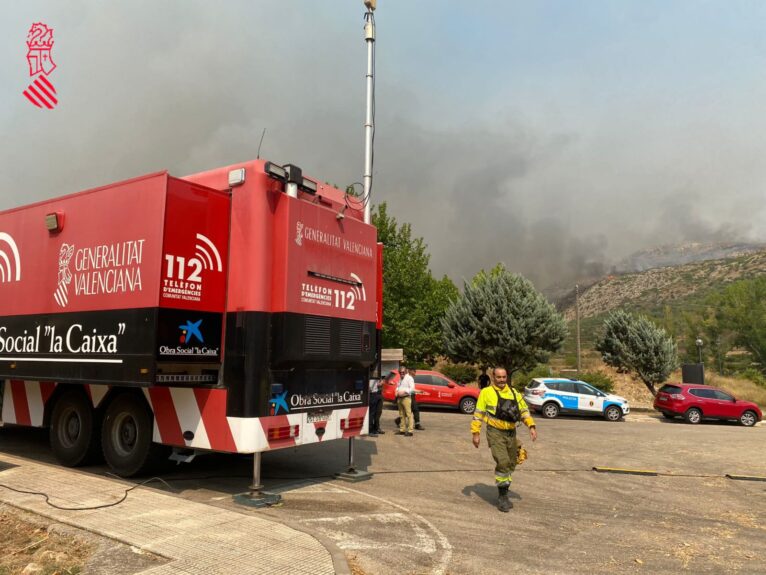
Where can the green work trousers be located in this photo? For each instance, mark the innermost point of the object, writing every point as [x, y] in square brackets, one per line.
[504, 449]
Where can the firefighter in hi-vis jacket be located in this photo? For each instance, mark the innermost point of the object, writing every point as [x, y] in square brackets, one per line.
[501, 407]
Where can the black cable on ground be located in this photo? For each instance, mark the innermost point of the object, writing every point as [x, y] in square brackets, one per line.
[90, 508]
[315, 477]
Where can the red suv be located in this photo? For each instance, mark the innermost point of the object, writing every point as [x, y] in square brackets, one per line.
[697, 402]
[436, 389]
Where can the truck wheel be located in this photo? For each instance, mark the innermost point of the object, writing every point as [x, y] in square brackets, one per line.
[613, 413]
[74, 433]
[126, 436]
[468, 405]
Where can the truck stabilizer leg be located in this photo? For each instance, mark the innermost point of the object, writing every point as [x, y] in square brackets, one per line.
[257, 497]
[352, 474]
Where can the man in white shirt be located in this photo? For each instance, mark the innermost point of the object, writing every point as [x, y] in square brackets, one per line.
[404, 390]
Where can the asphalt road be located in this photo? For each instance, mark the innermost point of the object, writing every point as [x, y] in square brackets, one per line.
[429, 507]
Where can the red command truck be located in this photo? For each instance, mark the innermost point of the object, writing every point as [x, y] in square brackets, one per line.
[234, 310]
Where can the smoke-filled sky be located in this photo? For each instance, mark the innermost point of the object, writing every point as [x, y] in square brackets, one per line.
[553, 136]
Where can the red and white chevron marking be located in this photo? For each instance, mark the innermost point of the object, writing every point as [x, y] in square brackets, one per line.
[196, 418]
[24, 401]
[42, 93]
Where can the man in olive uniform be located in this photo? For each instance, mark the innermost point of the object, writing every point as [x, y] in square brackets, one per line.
[501, 407]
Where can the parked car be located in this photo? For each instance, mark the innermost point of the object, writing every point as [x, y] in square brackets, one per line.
[435, 389]
[551, 396]
[697, 402]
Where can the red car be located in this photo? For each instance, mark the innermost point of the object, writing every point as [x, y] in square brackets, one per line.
[436, 389]
[697, 402]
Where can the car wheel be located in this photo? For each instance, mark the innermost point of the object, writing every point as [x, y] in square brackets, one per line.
[468, 405]
[126, 436]
[551, 410]
[748, 418]
[668, 415]
[74, 433]
[693, 415]
[613, 413]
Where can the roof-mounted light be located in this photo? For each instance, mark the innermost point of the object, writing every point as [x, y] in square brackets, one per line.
[275, 171]
[309, 186]
[236, 177]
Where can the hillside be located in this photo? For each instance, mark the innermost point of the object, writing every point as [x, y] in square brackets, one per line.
[651, 290]
[681, 254]
[563, 294]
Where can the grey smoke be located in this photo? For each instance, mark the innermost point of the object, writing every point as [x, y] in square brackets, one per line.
[187, 86]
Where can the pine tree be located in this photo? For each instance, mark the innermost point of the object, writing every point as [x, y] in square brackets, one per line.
[637, 345]
[611, 345]
[501, 320]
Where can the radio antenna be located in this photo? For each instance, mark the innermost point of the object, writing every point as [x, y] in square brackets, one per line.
[258, 156]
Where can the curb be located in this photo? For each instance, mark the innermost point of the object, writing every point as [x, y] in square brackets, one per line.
[339, 560]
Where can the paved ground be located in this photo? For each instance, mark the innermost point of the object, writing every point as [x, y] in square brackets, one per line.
[192, 538]
[430, 505]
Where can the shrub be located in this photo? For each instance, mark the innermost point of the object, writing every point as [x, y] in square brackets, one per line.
[521, 379]
[598, 379]
[460, 372]
[418, 365]
[753, 375]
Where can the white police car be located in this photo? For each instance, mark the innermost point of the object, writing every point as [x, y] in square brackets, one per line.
[551, 396]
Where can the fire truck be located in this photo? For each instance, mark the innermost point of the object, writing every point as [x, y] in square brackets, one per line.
[235, 310]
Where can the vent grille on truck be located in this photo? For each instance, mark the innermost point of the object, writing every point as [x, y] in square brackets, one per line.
[350, 337]
[317, 340]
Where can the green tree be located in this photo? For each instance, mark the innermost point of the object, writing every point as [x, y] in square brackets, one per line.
[740, 310]
[413, 301]
[612, 344]
[501, 320]
[639, 346]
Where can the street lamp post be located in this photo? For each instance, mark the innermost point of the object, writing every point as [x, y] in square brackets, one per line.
[698, 343]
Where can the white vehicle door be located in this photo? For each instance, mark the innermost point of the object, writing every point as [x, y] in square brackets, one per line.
[589, 398]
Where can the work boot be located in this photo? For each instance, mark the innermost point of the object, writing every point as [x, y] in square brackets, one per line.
[380, 432]
[503, 503]
[419, 427]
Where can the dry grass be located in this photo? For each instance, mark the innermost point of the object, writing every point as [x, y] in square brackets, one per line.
[353, 563]
[25, 540]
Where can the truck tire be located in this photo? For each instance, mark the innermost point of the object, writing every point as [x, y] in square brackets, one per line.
[126, 436]
[74, 431]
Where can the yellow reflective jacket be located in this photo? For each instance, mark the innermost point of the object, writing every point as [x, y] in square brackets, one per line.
[487, 405]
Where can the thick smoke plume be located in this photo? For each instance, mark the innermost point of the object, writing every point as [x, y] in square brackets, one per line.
[187, 86]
